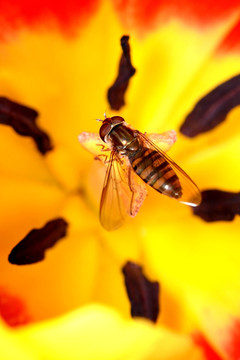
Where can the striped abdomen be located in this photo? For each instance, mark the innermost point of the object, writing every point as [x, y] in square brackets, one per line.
[152, 168]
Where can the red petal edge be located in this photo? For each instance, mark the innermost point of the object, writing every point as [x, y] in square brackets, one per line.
[147, 14]
[66, 14]
[12, 309]
[231, 345]
[232, 40]
[208, 351]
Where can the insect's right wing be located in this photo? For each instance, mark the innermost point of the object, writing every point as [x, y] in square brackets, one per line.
[190, 194]
[164, 141]
[122, 194]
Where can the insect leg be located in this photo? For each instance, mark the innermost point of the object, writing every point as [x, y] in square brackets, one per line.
[103, 148]
[105, 161]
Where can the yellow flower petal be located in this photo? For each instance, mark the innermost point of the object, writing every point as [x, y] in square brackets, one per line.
[188, 271]
[11, 346]
[67, 82]
[14, 148]
[25, 204]
[95, 332]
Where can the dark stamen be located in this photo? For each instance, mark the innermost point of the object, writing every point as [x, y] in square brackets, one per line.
[31, 249]
[212, 109]
[23, 120]
[116, 92]
[218, 205]
[142, 293]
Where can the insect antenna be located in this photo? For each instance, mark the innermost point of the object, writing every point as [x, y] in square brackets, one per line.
[105, 116]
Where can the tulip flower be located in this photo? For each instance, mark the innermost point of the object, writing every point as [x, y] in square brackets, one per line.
[166, 284]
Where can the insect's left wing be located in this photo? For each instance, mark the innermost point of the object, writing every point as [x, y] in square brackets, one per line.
[122, 194]
[191, 195]
[92, 143]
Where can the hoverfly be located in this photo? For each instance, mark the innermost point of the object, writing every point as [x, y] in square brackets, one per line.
[134, 160]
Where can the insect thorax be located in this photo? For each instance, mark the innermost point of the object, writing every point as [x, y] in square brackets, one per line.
[124, 140]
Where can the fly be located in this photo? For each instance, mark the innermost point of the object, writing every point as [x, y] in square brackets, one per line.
[134, 159]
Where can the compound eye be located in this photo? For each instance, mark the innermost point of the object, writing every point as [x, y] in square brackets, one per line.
[115, 120]
[104, 131]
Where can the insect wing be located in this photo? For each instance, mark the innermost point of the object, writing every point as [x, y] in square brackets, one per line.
[92, 143]
[191, 195]
[164, 141]
[112, 206]
[122, 194]
[139, 191]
